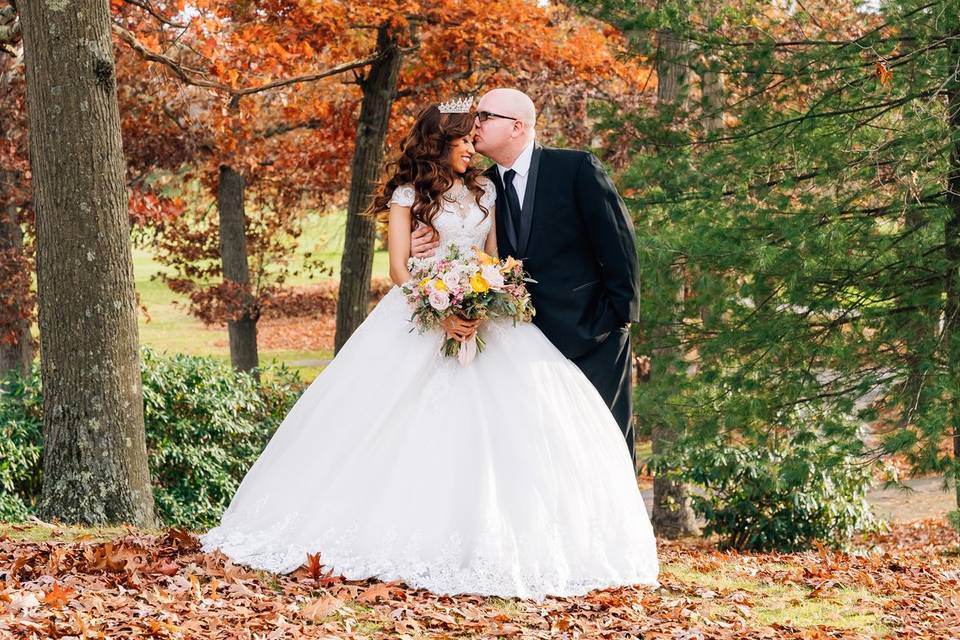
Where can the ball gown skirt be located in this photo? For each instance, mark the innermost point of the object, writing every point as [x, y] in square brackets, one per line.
[506, 477]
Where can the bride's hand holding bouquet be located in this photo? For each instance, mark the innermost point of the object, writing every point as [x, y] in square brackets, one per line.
[473, 288]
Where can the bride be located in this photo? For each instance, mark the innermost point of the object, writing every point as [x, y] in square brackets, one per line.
[507, 477]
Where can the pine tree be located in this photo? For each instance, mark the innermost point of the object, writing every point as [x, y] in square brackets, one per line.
[817, 229]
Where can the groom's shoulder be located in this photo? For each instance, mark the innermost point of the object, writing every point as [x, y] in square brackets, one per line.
[566, 156]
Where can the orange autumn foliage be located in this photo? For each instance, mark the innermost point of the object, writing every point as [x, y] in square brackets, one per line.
[239, 86]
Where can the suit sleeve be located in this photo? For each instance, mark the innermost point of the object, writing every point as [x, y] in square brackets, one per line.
[612, 238]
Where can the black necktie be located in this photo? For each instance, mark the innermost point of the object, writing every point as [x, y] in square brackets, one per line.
[513, 202]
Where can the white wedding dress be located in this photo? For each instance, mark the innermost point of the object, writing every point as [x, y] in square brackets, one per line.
[506, 477]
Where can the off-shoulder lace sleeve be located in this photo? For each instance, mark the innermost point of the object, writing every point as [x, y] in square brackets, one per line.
[403, 195]
[489, 197]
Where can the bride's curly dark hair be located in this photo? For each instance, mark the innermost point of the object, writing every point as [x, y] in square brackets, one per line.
[424, 163]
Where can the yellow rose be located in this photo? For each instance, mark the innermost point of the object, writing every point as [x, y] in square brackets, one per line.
[438, 285]
[424, 282]
[478, 284]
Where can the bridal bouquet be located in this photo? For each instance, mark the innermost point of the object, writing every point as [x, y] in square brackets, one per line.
[475, 287]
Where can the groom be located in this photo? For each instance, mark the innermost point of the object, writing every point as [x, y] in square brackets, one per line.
[558, 211]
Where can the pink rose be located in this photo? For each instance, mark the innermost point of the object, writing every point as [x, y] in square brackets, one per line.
[439, 300]
[452, 280]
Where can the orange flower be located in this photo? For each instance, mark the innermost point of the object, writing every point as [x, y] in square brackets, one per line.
[484, 258]
[510, 264]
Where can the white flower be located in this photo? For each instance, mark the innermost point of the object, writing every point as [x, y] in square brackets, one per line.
[492, 275]
[439, 300]
[463, 266]
[415, 264]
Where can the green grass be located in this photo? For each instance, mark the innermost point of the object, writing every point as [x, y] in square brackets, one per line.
[854, 608]
[367, 628]
[37, 532]
[169, 328]
[323, 237]
[503, 605]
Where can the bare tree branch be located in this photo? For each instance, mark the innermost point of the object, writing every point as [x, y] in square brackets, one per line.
[332, 71]
[183, 72]
[196, 77]
[145, 5]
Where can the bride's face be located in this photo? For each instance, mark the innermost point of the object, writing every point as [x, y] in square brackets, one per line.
[461, 152]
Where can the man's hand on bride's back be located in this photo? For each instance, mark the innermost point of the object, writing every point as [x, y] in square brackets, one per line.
[423, 242]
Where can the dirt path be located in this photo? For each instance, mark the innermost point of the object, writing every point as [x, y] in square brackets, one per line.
[926, 498]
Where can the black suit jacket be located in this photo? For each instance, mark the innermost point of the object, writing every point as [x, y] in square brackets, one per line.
[577, 241]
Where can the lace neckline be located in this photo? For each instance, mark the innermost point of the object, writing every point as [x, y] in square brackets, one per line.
[457, 200]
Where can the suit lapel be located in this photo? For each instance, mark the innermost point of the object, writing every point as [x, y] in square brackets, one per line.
[529, 198]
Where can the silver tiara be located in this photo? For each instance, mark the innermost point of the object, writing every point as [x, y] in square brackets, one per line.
[461, 105]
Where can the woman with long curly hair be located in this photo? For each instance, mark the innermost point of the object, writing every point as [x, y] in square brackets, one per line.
[507, 477]
[433, 168]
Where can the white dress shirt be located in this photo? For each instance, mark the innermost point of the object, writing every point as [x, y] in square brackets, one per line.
[522, 166]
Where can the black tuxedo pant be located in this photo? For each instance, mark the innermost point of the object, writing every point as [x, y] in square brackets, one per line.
[608, 367]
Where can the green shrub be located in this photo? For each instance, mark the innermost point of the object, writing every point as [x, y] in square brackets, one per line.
[21, 407]
[778, 493]
[205, 426]
[953, 518]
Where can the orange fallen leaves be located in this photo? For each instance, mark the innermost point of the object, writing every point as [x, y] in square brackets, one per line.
[164, 587]
[313, 565]
[58, 596]
[320, 608]
[380, 590]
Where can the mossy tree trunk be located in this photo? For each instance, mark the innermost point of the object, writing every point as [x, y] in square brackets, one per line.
[94, 458]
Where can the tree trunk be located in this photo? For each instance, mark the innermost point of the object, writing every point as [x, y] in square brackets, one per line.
[356, 266]
[951, 326]
[712, 98]
[95, 457]
[672, 514]
[921, 328]
[16, 354]
[233, 253]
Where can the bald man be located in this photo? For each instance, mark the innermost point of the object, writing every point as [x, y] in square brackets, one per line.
[558, 211]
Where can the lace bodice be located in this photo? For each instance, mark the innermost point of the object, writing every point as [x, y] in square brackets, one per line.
[465, 226]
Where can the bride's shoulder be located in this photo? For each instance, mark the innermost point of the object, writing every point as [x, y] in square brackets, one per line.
[484, 181]
[489, 190]
[403, 195]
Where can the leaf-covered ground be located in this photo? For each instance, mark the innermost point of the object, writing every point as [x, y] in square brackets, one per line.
[60, 582]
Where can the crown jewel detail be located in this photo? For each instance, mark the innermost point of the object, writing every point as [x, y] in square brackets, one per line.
[457, 105]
